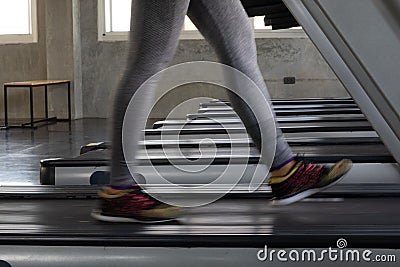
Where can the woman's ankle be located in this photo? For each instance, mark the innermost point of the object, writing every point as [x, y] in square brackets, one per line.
[284, 169]
[123, 187]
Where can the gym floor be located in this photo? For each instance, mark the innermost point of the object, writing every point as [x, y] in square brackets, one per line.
[22, 149]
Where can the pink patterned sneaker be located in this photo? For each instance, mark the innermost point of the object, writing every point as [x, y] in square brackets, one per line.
[133, 205]
[306, 179]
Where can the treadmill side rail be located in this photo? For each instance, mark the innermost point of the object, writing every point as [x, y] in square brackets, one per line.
[348, 34]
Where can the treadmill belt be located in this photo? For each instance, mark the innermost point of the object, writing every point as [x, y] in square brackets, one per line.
[287, 102]
[278, 113]
[360, 154]
[361, 150]
[284, 125]
[364, 222]
[238, 129]
[180, 123]
[284, 107]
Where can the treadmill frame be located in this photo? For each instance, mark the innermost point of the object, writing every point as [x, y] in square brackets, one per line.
[376, 102]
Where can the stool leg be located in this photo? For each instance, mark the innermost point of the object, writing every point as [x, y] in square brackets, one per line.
[46, 101]
[69, 102]
[5, 107]
[31, 104]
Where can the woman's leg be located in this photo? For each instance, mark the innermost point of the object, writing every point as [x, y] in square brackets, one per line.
[227, 28]
[155, 29]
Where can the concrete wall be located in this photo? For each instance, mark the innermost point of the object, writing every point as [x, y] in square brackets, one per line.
[103, 63]
[52, 57]
[24, 62]
[59, 50]
[68, 48]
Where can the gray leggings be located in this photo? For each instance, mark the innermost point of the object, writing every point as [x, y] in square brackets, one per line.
[155, 29]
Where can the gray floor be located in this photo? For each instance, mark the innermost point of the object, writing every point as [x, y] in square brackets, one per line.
[22, 149]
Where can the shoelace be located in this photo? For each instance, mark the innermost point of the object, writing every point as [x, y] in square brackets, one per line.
[301, 158]
[307, 175]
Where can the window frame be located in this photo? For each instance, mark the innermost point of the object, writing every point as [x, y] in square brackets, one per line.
[101, 26]
[188, 35]
[24, 38]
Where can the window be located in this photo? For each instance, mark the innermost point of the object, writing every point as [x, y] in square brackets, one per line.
[18, 21]
[114, 23]
[117, 15]
[262, 31]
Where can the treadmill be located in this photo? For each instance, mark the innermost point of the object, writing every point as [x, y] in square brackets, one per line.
[323, 138]
[59, 232]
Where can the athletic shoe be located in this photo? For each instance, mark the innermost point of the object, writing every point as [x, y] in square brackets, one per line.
[133, 205]
[306, 179]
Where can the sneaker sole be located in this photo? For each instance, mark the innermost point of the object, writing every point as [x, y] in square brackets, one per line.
[307, 193]
[96, 214]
